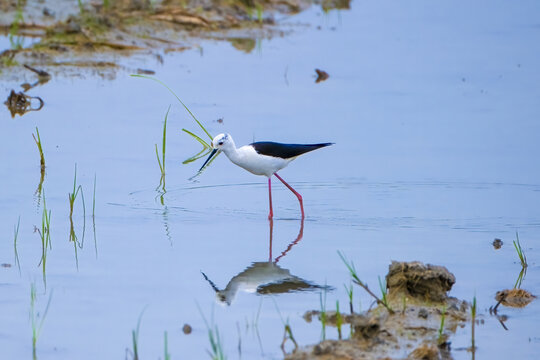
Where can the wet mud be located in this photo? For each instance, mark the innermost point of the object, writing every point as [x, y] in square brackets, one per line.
[87, 35]
[417, 293]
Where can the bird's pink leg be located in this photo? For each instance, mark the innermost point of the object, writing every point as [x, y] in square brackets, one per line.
[271, 213]
[295, 193]
[271, 222]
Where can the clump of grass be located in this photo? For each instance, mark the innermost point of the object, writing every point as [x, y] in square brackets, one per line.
[45, 235]
[520, 252]
[37, 320]
[216, 351]
[440, 338]
[216, 345]
[357, 281]
[40, 148]
[15, 236]
[339, 320]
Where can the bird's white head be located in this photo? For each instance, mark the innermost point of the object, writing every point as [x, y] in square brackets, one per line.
[222, 142]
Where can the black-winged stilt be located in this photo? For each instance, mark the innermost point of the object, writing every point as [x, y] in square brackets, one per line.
[263, 158]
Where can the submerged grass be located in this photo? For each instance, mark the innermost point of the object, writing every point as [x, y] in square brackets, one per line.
[36, 319]
[94, 216]
[45, 235]
[15, 236]
[322, 300]
[72, 198]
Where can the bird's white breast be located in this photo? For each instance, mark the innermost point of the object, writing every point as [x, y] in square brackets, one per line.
[246, 157]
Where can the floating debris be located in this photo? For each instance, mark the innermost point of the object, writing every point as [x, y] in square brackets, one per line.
[321, 75]
[497, 244]
[145, 72]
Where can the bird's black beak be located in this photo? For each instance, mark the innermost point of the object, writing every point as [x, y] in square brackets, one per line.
[209, 158]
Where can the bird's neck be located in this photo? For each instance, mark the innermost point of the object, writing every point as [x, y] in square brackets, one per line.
[232, 153]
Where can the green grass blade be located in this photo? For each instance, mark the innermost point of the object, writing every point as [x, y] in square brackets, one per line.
[204, 143]
[176, 96]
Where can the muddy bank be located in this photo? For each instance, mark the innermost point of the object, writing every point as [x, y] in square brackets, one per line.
[93, 34]
[419, 326]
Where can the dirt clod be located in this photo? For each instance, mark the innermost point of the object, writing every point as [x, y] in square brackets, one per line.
[425, 352]
[412, 328]
[187, 329]
[418, 281]
[517, 298]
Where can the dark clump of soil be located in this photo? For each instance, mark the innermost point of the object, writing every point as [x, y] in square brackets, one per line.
[419, 281]
[417, 295]
[516, 298]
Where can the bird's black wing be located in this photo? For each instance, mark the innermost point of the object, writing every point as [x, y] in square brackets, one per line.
[285, 151]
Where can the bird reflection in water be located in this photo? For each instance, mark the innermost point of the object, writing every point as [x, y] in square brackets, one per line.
[265, 277]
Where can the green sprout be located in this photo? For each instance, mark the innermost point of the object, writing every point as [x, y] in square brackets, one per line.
[520, 252]
[441, 327]
[357, 281]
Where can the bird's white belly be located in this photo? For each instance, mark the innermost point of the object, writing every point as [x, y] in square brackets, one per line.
[258, 164]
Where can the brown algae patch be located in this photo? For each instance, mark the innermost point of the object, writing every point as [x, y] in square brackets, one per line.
[417, 293]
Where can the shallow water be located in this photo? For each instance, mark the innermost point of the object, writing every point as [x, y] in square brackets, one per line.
[433, 109]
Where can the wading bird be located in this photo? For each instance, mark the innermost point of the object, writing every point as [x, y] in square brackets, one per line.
[262, 158]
